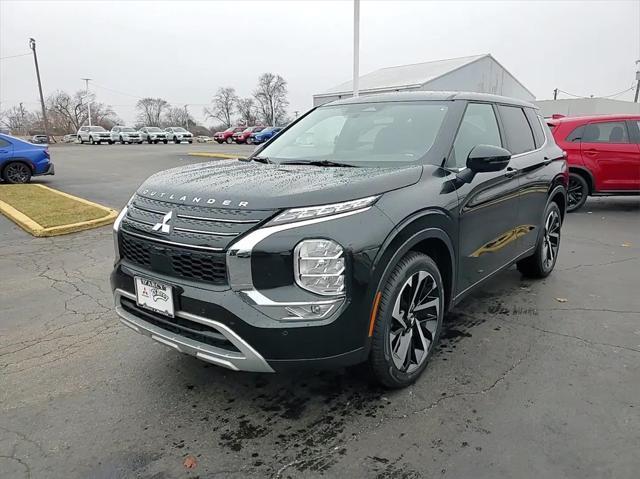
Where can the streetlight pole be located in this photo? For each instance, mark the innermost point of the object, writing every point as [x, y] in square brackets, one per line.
[86, 82]
[356, 47]
[637, 82]
[32, 45]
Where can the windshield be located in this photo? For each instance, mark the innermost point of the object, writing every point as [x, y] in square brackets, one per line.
[128, 129]
[153, 128]
[179, 129]
[369, 134]
[96, 128]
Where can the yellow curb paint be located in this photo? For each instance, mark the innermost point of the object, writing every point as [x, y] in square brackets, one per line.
[216, 155]
[38, 230]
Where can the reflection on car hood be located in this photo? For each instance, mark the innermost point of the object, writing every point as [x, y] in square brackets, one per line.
[271, 186]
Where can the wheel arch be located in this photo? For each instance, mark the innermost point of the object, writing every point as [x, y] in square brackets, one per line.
[586, 174]
[19, 159]
[429, 232]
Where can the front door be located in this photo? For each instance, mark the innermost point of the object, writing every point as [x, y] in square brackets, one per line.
[488, 206]
[608, 151]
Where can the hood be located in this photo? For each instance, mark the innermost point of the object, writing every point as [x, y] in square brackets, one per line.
[239, 184]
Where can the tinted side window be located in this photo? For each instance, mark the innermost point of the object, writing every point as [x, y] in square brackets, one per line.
[517, 129]
[576, 135]
[534, 122]
[606, 132]
[4, 143]
[479, 127]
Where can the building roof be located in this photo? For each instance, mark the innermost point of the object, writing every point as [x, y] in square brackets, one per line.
[432, 96]
[403, 76]
[410, 76]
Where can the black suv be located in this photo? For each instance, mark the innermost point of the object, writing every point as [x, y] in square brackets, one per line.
[344, 239]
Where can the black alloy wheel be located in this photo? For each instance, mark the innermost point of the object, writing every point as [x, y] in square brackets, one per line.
[16, 173]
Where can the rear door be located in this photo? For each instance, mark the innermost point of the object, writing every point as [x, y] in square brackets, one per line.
[607, 149]
[488, 209]
[6, 150]
[525, 140]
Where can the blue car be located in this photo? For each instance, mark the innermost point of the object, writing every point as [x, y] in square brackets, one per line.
[20, 160]
[265, 135]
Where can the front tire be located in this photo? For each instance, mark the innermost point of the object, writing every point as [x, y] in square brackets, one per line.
[408, 321]
[91, 140]
[578, 192]
[80, 140]
[229, 140]
[16, 173]
[543, 260]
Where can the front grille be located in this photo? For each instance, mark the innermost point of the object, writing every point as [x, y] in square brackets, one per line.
[192, 225]
[209, 267]
[183, 327]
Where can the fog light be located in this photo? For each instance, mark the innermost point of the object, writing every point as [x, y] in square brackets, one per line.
[319, 266]
[312, 311]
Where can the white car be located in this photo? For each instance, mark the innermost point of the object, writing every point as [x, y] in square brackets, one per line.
[125, 134]
[153, 134]
[93, 135]
[178, 134]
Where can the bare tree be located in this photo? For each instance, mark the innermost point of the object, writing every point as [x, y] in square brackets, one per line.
[222, 105]
[150, 111]
[246, 108]
[68, 113]
[18, 119]
[271, 98]
[176, 116]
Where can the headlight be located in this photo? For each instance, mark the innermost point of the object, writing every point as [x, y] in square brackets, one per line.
[319, 266]
[299, 214]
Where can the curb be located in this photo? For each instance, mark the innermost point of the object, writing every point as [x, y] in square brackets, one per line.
[223, 156]
[40, 231]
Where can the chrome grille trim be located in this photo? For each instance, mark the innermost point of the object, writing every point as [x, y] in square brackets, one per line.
[188, 246]
[200, 232]
[217, 220]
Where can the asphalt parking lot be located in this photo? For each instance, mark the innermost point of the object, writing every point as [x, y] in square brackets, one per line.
[532, 379]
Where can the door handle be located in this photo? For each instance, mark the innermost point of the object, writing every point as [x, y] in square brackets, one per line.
[511, 172]
[591, 152]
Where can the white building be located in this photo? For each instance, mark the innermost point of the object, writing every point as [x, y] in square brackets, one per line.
[479, 73]
[586, 106]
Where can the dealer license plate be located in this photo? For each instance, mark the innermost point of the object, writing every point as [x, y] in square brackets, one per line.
[155, 296]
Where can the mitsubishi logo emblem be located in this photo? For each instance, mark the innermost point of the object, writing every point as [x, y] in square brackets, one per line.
[164, 227]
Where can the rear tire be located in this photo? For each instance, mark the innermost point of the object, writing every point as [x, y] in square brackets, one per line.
[229, 140]
[578, 192]
[408, 321]
[16, 173]
[543, 260]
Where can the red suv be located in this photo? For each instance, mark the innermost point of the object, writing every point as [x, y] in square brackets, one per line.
[603, 155]
[227, 135]
[244, 136]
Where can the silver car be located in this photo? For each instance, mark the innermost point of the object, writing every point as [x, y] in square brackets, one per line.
[153, 134]
[125, 134]
[93, 135]
[178, 134]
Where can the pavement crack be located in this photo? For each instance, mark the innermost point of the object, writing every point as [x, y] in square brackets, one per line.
[608, 263]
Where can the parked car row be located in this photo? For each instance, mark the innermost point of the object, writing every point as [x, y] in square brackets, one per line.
[246, 135]
[126, 134]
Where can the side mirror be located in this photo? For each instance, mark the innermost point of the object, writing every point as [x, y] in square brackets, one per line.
[485, 159]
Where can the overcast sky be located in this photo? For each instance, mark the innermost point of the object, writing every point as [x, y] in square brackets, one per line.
[183, 51]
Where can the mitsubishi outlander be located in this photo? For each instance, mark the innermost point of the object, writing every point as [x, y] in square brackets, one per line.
[345, 238]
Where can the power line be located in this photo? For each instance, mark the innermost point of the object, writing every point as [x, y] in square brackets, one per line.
[15, 56]
[600, 96]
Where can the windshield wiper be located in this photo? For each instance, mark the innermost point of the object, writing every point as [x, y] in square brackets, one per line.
[318, 163]
[260, 159]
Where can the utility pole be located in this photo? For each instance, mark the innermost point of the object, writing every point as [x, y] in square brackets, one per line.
[86, 82]
[637, 81]
[32, 45]
[356, 47]
[555, 93]
[186, 117]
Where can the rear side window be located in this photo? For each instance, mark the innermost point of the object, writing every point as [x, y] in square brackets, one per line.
[536, 127]
[576, 134]
[606, 132]
[4, 143]
[517, 130]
